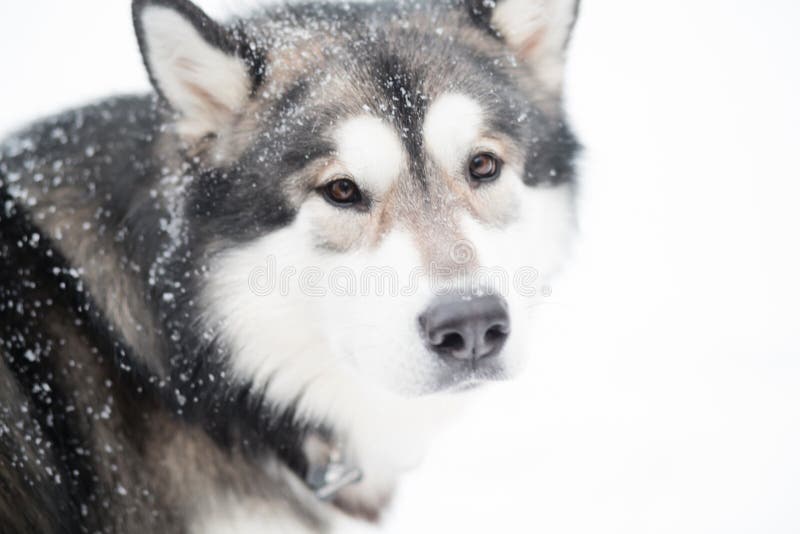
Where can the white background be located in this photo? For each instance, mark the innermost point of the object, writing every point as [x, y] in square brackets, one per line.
[664, 393]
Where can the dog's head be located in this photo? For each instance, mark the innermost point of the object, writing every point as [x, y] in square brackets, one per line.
[378, 190]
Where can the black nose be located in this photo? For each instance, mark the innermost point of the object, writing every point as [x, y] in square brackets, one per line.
[466, 327]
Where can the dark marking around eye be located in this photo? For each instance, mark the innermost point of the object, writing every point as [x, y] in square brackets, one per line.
[342, 192]
[484, 167]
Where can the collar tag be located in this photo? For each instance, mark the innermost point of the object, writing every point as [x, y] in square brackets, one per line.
[327, 479]
[327, 471]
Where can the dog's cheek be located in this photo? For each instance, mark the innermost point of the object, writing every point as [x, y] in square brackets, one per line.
[257, 302]
[333, 229]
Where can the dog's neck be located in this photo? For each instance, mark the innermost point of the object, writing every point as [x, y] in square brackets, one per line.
[355, 462]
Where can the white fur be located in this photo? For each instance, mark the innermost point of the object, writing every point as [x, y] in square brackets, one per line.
[350, 356]
[452, 126]
[201, 82]
[371, 152]
[237, 515]
[226, 513]
[546, 21]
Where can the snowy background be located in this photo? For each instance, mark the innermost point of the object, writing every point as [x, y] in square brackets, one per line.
[664, 393]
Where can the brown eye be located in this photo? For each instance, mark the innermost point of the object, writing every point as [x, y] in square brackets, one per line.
[342, 192]
[484, 167]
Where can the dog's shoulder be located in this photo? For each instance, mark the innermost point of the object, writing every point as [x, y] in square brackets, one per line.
[34, 494]
[29, 501]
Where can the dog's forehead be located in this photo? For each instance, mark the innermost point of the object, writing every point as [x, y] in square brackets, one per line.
[371, 145]
[386, 69]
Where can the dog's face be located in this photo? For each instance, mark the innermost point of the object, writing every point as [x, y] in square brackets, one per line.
[381, 188]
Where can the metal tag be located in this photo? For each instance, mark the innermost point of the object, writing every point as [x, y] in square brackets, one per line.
[327, 479]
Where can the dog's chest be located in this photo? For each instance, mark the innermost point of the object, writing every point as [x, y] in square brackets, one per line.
[251, 516]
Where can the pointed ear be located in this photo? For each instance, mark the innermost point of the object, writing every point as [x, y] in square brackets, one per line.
[537, 31]
[195, 64]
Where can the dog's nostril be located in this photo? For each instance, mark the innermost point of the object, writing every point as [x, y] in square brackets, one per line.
[466, 328]
[451, 341]
[495, 333]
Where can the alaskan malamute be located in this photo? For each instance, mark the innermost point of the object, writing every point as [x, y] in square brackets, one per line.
[246, 302]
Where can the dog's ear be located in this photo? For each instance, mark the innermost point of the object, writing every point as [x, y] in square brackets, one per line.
[537, 31]
[199, 67]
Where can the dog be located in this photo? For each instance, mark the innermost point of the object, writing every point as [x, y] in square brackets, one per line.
[247, 301]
